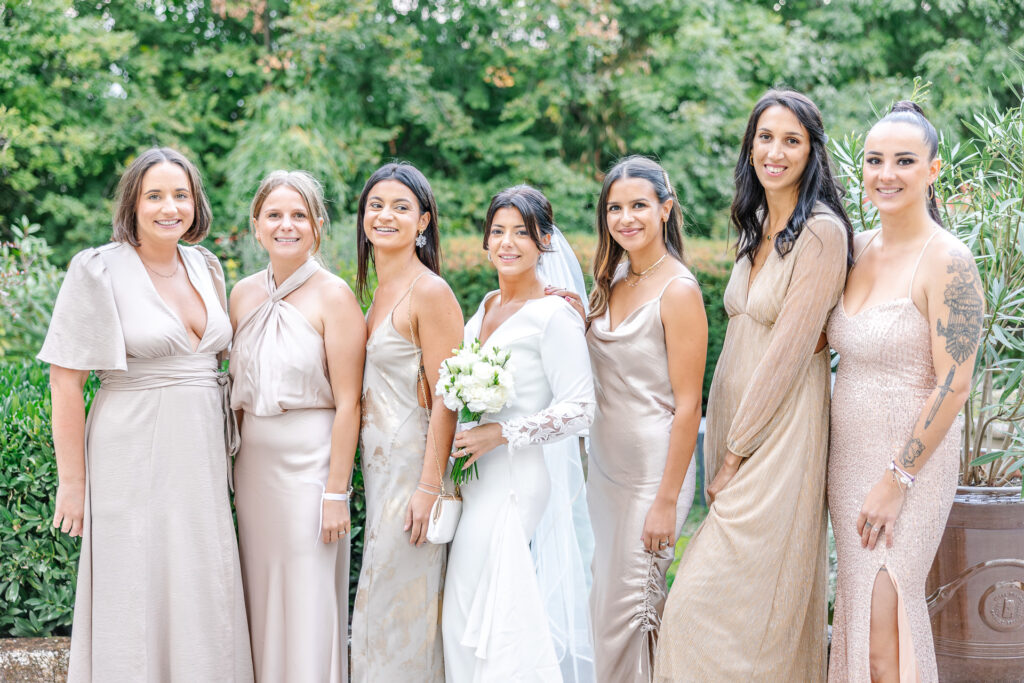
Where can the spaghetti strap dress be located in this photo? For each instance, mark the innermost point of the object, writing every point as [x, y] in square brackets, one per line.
[396, 619]
[628, 449]
[296, 586]
[883, 381]
[159, 593]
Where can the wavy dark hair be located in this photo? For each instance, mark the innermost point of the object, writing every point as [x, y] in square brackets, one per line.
[906, 111]
[609, 253]
[532, 205]
[817, 184]
[430, 253]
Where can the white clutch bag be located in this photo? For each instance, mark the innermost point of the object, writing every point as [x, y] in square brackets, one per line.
[444, 519]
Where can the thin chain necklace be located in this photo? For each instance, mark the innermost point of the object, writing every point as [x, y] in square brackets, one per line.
[177, 264]
[645, 273]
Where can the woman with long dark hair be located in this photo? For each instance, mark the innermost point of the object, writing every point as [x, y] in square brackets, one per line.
[748, 602]
[907, 331]
[144, 480]
[414, 322]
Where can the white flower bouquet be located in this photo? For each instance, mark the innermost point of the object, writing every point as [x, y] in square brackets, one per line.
[473, 382]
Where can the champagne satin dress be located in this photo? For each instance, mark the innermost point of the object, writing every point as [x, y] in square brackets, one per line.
[396, 619]
[159, 594]
[628, 450]
[749, 599]
[296, 586]
[884, 379]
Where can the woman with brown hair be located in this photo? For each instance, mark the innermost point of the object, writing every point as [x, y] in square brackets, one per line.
[297, 361]
[144, 480]
[748, 601]
[414, 322]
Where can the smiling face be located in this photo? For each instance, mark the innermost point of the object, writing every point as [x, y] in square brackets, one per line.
[511, 248]
[284, 226]
[392, 217]
[635, 216]
[780, 150]
[897, 170]
[165, 208]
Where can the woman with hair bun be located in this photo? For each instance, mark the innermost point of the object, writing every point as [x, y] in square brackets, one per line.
[297, 361]
[748, 601]
[144, 480]
[907, 331]
[414, 323]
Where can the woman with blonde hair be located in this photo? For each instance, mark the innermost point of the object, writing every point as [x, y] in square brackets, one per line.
[296, 361]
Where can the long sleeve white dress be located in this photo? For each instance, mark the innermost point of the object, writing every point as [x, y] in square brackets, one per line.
[494, 623]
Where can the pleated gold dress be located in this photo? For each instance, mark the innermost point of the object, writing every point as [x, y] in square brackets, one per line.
[628, 449]
[749, 599]
[396, 619]
[296, 587]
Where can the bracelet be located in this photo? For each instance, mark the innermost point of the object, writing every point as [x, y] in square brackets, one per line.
[899, 475]
[429, 493]
[431, 486]
[338, 496]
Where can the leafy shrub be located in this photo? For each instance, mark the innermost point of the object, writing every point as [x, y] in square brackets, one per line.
[28, 287]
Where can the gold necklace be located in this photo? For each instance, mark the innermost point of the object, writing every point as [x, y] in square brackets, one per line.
[644, 274]
[159, 274]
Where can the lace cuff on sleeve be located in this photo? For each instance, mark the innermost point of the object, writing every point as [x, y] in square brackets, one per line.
[552, 423]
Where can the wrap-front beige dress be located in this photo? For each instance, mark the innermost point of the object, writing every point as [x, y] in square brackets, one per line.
[396, 629]
[296, 586]
[749, 599]
[159, 595]
[628, 450]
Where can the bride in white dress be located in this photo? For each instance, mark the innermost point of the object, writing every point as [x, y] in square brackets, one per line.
[495, 622]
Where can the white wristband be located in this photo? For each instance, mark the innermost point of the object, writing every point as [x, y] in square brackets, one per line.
[337, 496]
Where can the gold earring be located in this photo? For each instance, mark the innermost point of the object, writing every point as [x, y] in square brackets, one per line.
[751, 158]
[488, 255]
[931, 192]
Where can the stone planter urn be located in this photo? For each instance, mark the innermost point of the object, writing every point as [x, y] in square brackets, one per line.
[976, 588]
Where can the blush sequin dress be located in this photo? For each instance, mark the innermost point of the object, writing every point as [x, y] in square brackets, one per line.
[884, 378]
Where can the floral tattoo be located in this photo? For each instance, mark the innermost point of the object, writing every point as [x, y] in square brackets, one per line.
[966, 309]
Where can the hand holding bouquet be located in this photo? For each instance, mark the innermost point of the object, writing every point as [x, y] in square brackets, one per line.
[474, 382]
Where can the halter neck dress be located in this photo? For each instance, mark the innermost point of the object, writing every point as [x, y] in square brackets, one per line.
[396, 632]
[883, 381]
[628, 449]
[296, 586]
[159, 594]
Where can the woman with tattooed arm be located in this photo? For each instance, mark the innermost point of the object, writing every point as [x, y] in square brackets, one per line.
[907, 331]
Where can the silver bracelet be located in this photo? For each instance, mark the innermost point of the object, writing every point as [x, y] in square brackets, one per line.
[429, 493]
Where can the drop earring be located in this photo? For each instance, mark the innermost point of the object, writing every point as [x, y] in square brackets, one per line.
[421, 240]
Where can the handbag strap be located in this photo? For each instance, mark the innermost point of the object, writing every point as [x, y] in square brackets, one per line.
[421, 384]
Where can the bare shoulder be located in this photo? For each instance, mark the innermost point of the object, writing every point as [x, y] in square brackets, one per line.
[861, 238]
[683, 289]
[247, 287]
[947, 258]
[333, 289]
[434, 295]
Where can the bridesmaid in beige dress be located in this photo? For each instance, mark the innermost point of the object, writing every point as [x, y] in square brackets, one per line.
[297, 362]
[144, 480]
[648, 339]
[907, 332]
[414, 323]
[749, 598]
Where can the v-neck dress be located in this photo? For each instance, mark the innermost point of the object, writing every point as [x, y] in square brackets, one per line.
[396, 625]
[628, 450]
[749, 598]
[495, 620]
[296, 586]
[159, 594]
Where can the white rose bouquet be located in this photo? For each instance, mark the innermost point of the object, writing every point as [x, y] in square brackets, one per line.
[473, 382]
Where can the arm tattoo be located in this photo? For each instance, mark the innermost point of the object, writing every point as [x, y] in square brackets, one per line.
[966, 309]
[911, 452]
[943, 390]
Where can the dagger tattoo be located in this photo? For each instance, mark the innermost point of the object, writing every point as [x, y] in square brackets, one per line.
[943, 390]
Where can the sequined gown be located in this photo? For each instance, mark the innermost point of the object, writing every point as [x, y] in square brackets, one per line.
[396, 634]
[749, 599]
[627, 461]
[159, 593]
[884, 378]
[296, 586]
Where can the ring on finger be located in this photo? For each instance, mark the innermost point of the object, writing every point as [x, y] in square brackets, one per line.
[868, 524]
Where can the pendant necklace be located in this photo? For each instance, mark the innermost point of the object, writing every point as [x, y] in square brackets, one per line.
[645, 273]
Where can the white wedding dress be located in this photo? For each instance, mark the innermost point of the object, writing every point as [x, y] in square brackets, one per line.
[494, 622]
